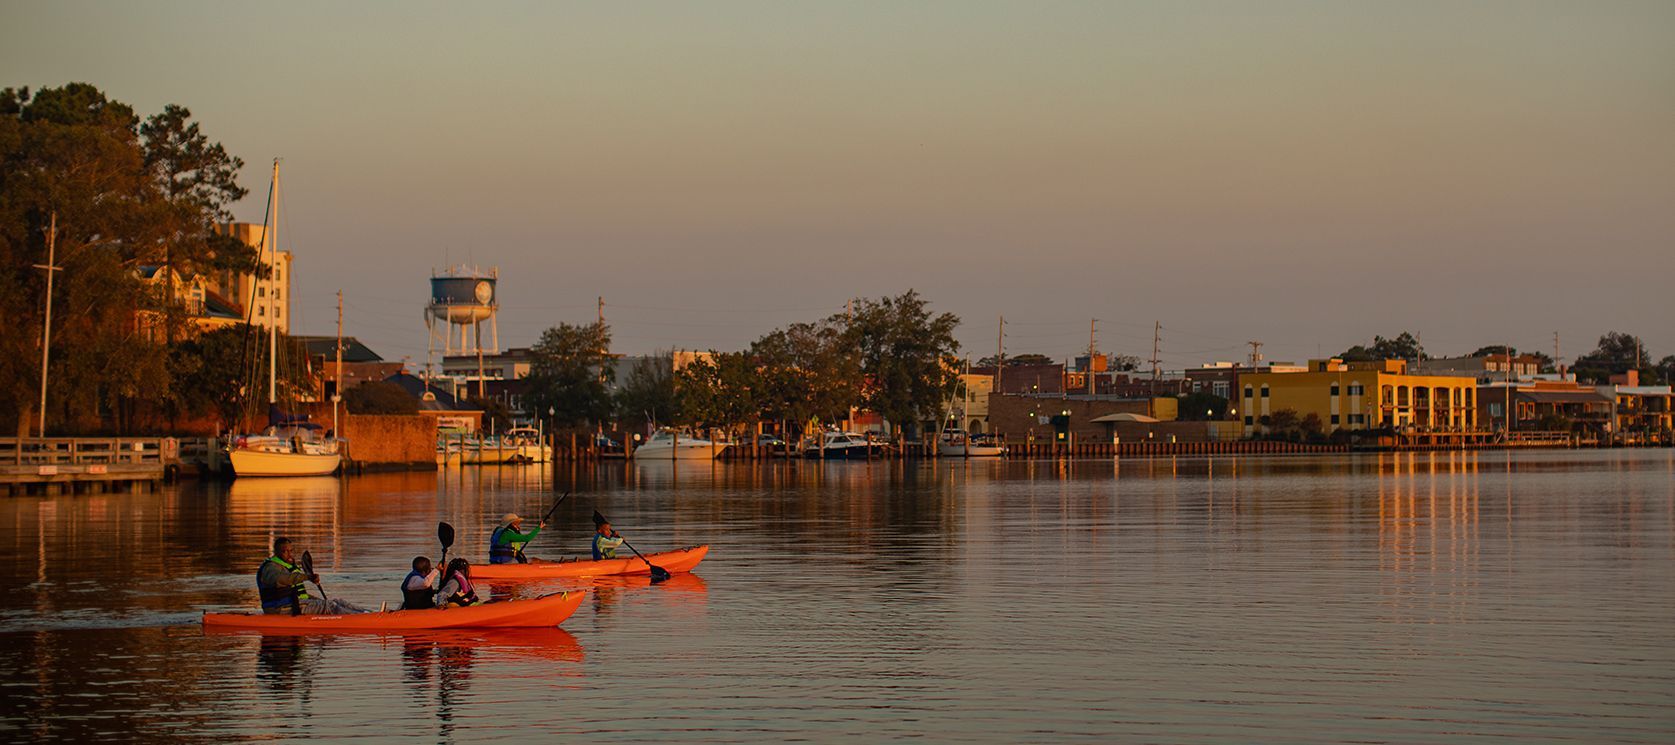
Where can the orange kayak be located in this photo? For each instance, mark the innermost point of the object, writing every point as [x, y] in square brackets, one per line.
[682, 560]
[549, 610]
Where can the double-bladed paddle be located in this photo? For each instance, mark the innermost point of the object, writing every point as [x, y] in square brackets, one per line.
[658, 574]
[308, 568]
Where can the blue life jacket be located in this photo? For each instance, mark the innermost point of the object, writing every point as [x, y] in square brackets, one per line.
[503, 553]
[602, 552]
[279, 597]
[420, 599]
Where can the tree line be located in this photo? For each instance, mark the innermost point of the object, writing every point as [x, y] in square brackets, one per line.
[891, 355]
[1615, 354]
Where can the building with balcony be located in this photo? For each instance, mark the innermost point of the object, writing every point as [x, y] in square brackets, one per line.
[1359, 396]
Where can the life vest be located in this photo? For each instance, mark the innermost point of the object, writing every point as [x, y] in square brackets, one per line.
[420, 599]
[280, 597]
[504, 553]
[465, 595]
[604, 547]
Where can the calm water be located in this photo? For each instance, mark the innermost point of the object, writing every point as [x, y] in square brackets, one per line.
[1406, 598]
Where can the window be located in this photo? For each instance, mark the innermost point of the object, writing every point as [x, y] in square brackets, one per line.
[1264, 391]
[1248, 420]
[260, 311]
[1247, 391]
[1334, 420]
[1334, 389]
[261, 292]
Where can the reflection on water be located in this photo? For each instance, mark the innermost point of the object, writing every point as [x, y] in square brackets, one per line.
[1413, 597]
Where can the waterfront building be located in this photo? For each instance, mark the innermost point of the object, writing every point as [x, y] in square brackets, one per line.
[1640, 414]
[1359, 396]
[1483, 368]
[248, 292]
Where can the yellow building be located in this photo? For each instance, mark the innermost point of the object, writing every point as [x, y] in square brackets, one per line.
[1360, 395]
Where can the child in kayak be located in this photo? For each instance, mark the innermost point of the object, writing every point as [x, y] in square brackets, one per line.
[456, 586]
[605, 542]
[418, 590]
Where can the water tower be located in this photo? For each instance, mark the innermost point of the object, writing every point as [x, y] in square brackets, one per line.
[461, 299]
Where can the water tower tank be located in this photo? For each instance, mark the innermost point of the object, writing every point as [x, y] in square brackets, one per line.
[462, 299]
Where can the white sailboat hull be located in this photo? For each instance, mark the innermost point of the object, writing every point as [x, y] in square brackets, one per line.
[488, 455]
[970, 451]
[266, 463]
[694, 450]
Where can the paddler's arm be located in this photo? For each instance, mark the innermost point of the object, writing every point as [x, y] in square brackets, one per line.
[512, 536]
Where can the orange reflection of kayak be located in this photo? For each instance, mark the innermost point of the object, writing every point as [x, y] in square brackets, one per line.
[550, 610]
[682, 560]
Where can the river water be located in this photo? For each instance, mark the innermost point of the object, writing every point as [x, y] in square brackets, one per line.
[1433, 597]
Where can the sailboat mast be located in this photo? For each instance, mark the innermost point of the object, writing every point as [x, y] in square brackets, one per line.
[272, 239]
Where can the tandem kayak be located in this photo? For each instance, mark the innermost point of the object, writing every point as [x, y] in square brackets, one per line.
[549, 610]
[682, 560]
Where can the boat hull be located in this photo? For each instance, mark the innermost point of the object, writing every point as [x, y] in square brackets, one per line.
[682, 560]
[550, 610]
[473, 456]
[680, 452]
[971, 451]
[260, 463]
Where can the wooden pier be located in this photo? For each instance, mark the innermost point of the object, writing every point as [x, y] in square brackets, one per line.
[52, 465]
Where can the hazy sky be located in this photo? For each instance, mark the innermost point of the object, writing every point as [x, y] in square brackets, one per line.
[1306, 174]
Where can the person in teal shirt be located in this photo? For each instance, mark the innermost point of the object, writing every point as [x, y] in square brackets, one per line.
[507, 541]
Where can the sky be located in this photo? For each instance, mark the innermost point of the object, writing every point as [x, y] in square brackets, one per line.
[1306, 174]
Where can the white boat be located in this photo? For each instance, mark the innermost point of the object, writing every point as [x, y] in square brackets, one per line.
[955, 443]
[488, 451]
[843, 446]
[671, 445]
[288, 447]
[529, 443]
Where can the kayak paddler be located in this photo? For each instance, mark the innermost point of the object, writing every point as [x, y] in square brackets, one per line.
[281, 584]
[605, 541]
[418, 590]
[507, 541]
[456, 586]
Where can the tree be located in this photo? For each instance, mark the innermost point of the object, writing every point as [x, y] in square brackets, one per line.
[1202, 406]
[720, 391]
[124, 197]
[1616, 353]
[1403, 347]
[1028, 358]
[1282, 424]
[1311, 427]
[906, 354]
[568, 374]
[648, 393]
[1666, 370]
[379, 397]
[497, 416]
[806, 371]
[1124, 362]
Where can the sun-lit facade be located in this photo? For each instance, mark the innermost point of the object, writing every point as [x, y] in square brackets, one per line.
[1358, 396]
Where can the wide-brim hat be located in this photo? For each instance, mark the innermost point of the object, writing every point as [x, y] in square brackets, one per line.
[511, 517]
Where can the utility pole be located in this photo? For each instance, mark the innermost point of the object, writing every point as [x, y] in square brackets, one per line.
[46, 327]
[1556, 367]
[1093, 330]
[337, 375]
[1255, 353]
[1508, 412]
[1000, 352]
[1157, 338]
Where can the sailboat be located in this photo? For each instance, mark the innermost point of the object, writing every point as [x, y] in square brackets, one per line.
[291, 445]
[958, 443]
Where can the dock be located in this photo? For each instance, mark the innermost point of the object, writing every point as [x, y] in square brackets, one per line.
[54, 465]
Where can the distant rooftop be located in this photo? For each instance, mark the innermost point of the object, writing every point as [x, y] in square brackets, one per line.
[353, 349]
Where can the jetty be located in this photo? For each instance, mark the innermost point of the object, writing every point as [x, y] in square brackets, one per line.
[53, 465]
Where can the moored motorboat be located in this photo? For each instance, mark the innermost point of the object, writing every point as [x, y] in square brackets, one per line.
[843, 446]
[671, 445]
[680, 560]
[549, 610]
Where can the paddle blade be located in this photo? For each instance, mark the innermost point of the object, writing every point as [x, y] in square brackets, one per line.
[307, 562]
[659, 574]
[598, 519]
[445, 534]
